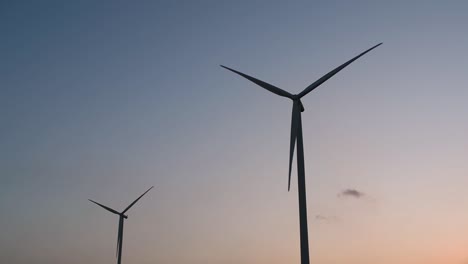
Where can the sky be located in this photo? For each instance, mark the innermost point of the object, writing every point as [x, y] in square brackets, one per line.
[103, 99]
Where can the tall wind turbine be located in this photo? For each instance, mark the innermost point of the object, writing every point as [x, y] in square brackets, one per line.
[296, 136]
[122, 217]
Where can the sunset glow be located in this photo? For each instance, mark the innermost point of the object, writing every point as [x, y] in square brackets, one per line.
[103, 99]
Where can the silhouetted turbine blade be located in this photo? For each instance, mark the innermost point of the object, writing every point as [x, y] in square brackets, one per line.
[128, 207]
[119, 236]
[263, 84]
[335, 71]
[294, 126]
[105, 207]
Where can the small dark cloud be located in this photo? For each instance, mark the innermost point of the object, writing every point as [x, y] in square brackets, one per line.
[321, 217]
[353, 193]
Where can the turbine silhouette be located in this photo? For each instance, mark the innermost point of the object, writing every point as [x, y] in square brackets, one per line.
[122, 216]
[296, 136]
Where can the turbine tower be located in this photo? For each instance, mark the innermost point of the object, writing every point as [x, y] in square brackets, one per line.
[296, 136]
[122, 217]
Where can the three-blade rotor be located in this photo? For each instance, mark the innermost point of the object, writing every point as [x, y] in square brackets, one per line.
[126, 209]
[297, 104]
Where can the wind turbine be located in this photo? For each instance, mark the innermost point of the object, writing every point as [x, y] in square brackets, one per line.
[296, 135]
[122, 217]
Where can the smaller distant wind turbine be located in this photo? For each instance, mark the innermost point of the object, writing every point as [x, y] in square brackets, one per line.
[122, 216]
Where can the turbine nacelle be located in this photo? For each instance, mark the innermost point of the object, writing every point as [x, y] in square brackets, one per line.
[297, 100]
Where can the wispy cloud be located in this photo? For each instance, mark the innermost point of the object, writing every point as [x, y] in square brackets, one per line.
[327, 219]
[352, 193]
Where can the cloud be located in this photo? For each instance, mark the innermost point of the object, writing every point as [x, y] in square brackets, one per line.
[352, 193]
[327, 219]
[321, 217]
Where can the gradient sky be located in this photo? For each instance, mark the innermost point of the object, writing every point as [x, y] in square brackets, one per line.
[102, 99]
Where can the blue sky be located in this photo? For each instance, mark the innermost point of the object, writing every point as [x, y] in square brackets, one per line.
[102, 99]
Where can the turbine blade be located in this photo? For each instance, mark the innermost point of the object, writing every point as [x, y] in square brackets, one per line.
[118, 245]
[120, 237]
[134, 202]
[105, 207]
[333, 72]
[263, 84]
[294, 127]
